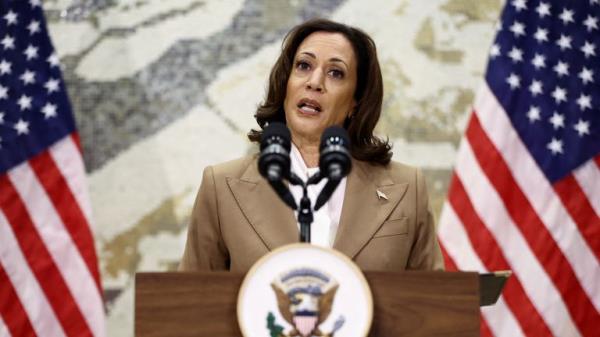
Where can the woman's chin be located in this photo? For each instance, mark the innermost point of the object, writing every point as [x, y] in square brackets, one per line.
[307, 132]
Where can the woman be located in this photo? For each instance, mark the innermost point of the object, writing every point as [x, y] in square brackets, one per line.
[327, 74]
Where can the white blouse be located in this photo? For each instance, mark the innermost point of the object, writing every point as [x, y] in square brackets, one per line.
[327, 218]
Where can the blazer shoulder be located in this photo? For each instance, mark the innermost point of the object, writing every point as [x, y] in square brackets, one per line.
[234, 168]
[396, 171]
[401, 168]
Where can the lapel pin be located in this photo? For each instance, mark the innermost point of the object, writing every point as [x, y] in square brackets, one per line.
[381, 195]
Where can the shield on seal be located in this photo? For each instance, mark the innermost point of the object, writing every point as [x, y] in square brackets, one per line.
[305, 324]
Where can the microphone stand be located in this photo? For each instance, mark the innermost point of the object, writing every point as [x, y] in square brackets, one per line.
[305, 212]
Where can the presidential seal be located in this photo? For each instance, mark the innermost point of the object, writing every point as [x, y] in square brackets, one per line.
[302, 290]
[304, 298]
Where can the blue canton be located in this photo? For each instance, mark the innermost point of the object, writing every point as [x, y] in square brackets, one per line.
[34, 108]
[544, 69]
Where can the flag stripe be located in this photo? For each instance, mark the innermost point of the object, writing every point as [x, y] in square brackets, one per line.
[501, 320]
[448, 261]
[580, 209]
[534, 231]
[65, 255]
[540, 194]
[588, 177]
[30, 294]
[484, 330]
[492, 212]
[3, 329]
[68, 210]
[11, 310]
[40, 261]
[458, 247]
[77, 142]
[492, 257]
[67, 157]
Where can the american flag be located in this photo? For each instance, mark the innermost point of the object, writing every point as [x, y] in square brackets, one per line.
[525, 193]
[49, 280]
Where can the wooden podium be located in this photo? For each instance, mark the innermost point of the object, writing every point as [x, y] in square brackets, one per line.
[405, 304]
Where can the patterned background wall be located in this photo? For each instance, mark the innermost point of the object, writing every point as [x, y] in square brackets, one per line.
[161, 89]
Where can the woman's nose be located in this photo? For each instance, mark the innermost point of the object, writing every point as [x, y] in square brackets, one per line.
[315, 81]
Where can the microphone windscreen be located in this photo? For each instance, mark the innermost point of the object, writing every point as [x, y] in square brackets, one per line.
[276, 132]
[334, 159]
[335, 135]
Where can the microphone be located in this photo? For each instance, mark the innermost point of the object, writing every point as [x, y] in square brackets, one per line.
[334, 162]
[275, 145]
[274, 159]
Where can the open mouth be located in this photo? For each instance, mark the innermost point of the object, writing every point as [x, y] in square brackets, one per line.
[309, 106]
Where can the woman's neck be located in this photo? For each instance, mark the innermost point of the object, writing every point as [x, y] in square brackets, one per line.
[309, 150]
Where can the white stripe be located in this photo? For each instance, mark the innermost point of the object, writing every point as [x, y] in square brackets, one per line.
[536, 283]
[26, 286]
[456, 241]
[501, 320]
[540, 193]
[70, 163]
[588, 177]
[62, 249]
[3, 329]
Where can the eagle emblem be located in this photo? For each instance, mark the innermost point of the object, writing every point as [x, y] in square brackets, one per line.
[304, 298]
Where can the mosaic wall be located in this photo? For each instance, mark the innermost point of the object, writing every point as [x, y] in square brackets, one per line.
[161, 89]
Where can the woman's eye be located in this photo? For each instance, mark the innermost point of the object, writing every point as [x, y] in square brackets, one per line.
[336, 73]
[302, 65]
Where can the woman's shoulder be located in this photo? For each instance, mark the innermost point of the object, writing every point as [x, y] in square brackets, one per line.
[397, 171]
[234, 168]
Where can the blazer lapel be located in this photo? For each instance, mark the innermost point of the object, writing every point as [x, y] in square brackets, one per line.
[364, 211]
[272, 220]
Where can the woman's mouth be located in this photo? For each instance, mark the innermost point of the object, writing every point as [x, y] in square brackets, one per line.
[309, 106]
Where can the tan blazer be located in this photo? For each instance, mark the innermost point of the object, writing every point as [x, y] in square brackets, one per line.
[238, 218]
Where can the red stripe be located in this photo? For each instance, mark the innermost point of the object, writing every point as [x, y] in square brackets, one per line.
[68, 209]
[46, 272]
[12, 311]
[581, 210]
[75, 138]
[533, 229]
[484, 329]
[597, 160]
[491, 256]
[448, 261]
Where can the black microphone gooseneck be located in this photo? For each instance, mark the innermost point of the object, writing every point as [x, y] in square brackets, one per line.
[305, 213]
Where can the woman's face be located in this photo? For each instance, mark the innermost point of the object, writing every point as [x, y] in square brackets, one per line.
[320, 89]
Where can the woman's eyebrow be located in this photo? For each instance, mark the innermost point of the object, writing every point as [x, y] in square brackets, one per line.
[333, 59]
[309, 54]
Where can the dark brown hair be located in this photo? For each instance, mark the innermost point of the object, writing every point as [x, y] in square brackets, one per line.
[368, 95]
